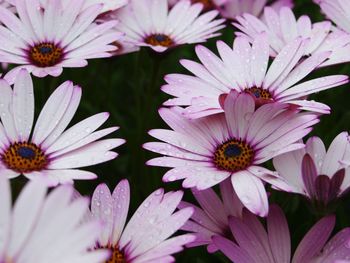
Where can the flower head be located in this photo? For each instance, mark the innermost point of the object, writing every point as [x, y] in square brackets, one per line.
[319, 175]
[46, 227]
[48, 152]
[150, 23]
[233, 145]
[245, 69]
[145, 237]
[282, 27]
[46, 39]
[254, 244]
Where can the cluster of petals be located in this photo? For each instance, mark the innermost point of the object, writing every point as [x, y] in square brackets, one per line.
[245, 69]
[322, 176]
[45, 39]
[206, 151]
[47, 151]
[151, 23]
[145, 238]
[43, 227]
[254, 244]
[282, 27]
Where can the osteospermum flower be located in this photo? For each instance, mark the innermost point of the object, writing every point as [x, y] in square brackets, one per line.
[45, 40]
[150, 23]
[48, 152]
[256, 245]
[245, 69]
[319, 175]
[282, 27]
[233, 145]
[44, 228]
[211, 218]
[145, 238]
[336, 10]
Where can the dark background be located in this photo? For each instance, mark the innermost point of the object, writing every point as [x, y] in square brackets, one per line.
[129, 88]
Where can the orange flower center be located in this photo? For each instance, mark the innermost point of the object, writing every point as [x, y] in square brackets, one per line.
[24, 157]
[117, 256]
[233, 155]
[159, 40]
[45, 54]
[259, 93]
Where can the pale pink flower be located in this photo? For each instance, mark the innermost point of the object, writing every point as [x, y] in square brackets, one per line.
[211, 218]
[254, 244]
[150, 23]
[207, 151]
[319, 175]
[145, 238]
[42, 228]
[337, 11]
[282, 27]
[46, 151]
[245, 69]
[45, 40]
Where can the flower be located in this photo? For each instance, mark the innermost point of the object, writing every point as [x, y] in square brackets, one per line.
[282, 27]
[256, 245]
[145, 236]
[207, 4]
[46, 227]
[245, 69]
[50, 153]
[319, 175]
[233, 8]
[336, 10]
[212, 218]
[150, 23]
[207, 151]
[45, 40]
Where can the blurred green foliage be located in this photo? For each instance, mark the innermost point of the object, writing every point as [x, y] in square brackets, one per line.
[129, 88]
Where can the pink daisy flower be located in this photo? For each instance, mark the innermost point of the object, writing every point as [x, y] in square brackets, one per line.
[254, 244]
[145, 238]
[336, 10]
[43, 227]
[48, 152]
[233, 145]
[283, 27]
[150, 23]
[45, 40]
[319, 175]
[211, 218]
[245, 69]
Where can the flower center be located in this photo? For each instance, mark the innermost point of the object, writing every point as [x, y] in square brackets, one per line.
[233, 155]
[45, 54]
[24, 157]
[116, 257]
[207, 4]
[259, 93]
[159, 40]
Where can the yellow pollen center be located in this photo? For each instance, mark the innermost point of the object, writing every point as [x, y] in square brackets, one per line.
[45, 54]
[159, 40]
[207, 4]
[259, 93]
[24, 157]
[233, 155]
[116, 257]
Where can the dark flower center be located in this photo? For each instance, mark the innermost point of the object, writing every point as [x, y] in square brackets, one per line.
[159, 40]
[45, 54]
[24, 157]
[207, 4]
[259, 93]
[233, 155]
[117, 256]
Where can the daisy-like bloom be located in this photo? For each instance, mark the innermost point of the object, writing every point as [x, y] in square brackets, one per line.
[150, 23]
[245, 69]
[319, 175]
[211, 219]
[283, 27]
[48, 152]
[43, 228]
[233, 8]
[337, 11]
[45, 40]
[145, 238]
[233, 145]
[254, 244]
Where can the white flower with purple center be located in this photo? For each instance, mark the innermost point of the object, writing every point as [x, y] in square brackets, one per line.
[48, 152]
[234, 145]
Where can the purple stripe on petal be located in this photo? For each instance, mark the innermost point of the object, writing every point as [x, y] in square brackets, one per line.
[309, 174]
